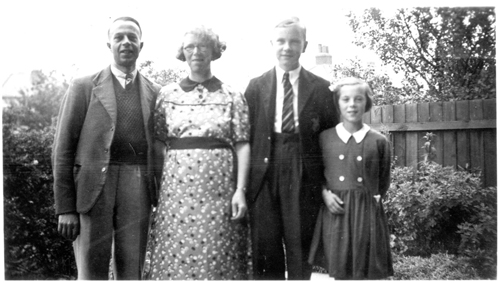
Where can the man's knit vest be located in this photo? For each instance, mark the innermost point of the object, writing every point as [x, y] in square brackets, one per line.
[129, 145]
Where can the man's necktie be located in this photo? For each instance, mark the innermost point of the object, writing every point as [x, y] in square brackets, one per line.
[287, 121]
[128, 81]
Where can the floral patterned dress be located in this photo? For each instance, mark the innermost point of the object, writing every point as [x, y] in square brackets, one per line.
[192, 235]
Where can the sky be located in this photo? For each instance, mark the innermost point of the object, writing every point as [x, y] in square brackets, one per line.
[71, 36]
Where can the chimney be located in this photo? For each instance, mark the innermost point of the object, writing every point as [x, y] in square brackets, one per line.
[323, 57]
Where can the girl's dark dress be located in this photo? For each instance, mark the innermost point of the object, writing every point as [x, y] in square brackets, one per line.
[354, 245]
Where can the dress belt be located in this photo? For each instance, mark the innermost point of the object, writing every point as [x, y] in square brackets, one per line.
[205, 143]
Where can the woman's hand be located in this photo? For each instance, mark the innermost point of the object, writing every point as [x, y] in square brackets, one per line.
[239, 204]
[333, 202]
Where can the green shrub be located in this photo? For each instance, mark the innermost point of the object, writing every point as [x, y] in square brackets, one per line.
[479, 234]
[435, 267]
[440, 209]
[33, 248]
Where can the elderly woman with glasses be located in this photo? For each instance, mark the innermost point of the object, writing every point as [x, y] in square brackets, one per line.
[199, 229]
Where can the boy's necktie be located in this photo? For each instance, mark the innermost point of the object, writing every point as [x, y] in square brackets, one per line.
[287, 121]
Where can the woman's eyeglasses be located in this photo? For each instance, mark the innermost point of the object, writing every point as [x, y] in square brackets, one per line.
[190, 48]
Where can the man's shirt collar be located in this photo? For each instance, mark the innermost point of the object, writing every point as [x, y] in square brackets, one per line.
[294, 74]
[121, 75]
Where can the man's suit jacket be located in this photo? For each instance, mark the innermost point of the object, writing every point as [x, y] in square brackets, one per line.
[85, 130]
[316, 113]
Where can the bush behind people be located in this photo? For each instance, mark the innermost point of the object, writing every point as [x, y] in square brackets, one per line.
[33, 248]
[438, 209]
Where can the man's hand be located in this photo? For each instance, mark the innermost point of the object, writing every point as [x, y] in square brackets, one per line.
[69, 225]
[239, 205]
[333, 202]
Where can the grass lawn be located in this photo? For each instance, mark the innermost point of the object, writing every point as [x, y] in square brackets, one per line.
[435, 267]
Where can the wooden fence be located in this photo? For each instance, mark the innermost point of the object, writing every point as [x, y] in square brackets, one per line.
[465, 133]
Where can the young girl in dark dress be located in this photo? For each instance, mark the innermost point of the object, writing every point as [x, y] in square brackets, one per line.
[351, 238]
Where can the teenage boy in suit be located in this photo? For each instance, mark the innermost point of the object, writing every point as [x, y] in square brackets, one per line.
[289, 106]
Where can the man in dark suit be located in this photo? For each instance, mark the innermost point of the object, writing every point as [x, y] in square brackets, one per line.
[103, 158]
[289, 107]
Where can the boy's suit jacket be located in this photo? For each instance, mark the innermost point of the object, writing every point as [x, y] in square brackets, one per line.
[316, 113]
[85, 130]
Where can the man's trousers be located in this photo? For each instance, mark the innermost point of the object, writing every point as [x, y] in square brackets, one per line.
[118, 223]
[281, 220]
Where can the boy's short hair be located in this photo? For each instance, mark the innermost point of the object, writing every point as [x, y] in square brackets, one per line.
[352, 81]
[293, 21]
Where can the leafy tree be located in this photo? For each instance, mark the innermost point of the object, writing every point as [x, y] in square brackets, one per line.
[444, 53]
[162, 77]
[40, 103]
[384, 92]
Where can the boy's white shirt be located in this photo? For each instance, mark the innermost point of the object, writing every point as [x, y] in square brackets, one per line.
[280, 94]
[344, 135]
